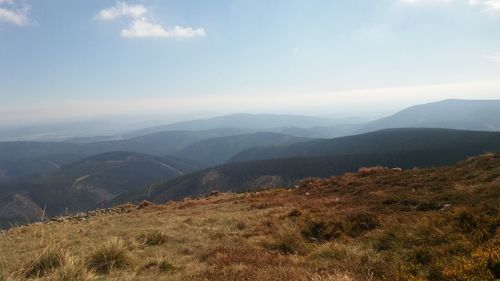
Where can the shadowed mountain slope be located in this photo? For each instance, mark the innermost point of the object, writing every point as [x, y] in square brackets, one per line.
[216, 151]
[243, 176]
[89, 183]
[384, 141]
[156, 144]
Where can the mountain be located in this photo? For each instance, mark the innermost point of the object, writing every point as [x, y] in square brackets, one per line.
[20, 160]
[244, 121]
[396, 149]
[384, 141]
[477, 115]
[286, 172]
[215, 151]
[375, 224]
[18, 170]
[156, 144]
[89, 183]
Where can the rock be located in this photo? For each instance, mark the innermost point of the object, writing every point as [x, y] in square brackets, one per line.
[446, 207]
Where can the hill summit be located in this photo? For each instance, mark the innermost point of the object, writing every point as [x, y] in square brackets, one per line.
[376, 224]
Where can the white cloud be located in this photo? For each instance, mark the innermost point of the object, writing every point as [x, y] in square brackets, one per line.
[494, 57]
[141, 26]
[14, 14]
[426, 2]
[486, 4]
[121, 9]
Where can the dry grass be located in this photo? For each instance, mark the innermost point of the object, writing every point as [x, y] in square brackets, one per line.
[44, 263]
[153, 238]
[72, 271]
[112, 255]
[419, 224]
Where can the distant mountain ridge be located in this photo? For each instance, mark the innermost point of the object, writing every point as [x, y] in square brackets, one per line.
[216, 151]
[388, 148]
[158, 144]
[384, 141]
[477, 115]
[243, 121]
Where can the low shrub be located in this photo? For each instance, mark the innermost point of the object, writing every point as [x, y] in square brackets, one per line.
[482, 264]
[366, 171]
[323, 231]
[360, 222]
[480, 223]
[241, 225]
[423, 256]
[388, 241]
[294, 213]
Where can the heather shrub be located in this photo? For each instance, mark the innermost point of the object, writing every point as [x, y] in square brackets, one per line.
[323, 231]
[366, 171]
[482, 264]
[241, 225]
[480, 223]
[358, 223]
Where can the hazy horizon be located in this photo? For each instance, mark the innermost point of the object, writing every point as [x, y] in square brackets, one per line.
[354, 58]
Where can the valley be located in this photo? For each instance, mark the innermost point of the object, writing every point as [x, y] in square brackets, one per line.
[47, 179]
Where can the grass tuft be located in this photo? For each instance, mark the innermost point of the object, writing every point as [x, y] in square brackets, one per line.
[288, 240]
[109, 256]
[45, 263]
[153, 238]
[162, 265]
[73, 271]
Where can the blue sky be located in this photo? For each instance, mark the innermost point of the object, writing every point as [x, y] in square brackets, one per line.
[61, 58]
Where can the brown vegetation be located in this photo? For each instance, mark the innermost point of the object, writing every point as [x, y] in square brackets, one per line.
[379, 224]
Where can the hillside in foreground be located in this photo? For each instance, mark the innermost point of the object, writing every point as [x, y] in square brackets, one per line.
[377, 224]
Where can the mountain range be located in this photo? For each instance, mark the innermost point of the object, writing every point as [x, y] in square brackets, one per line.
[234, 152]
[401, 148]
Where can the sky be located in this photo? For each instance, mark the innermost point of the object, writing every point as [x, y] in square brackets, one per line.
[78, 58]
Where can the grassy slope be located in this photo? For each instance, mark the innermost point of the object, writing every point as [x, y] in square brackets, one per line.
[418, 224]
